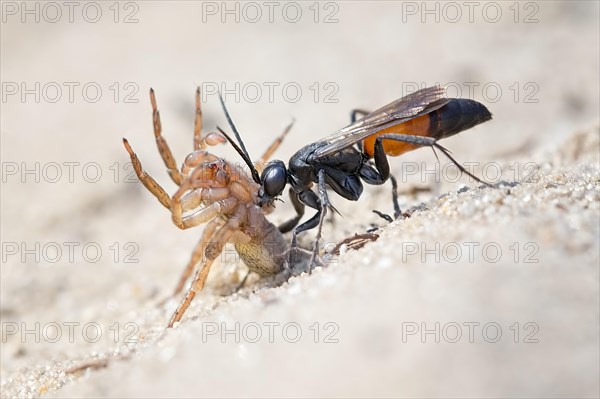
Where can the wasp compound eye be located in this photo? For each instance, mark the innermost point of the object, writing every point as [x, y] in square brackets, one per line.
[274, 178]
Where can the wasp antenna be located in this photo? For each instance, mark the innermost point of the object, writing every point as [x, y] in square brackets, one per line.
[244, 155]
[235, 131]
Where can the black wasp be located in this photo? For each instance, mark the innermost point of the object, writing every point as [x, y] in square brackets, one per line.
[359, 152]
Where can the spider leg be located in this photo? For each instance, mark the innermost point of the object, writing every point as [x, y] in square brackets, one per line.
[146, 179]
[197, 285]
[212, 251]
[202, 215]
[161, 143]
[195, 197]
[198, 142]
[196, 158]
[260, 164]
[207, 235]
[192, 200]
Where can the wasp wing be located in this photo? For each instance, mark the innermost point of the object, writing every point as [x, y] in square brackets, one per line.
[419, 103]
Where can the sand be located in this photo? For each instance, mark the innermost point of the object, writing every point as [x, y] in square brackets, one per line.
[481, 291]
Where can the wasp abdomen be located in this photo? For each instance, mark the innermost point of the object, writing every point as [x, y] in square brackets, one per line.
[458, 115]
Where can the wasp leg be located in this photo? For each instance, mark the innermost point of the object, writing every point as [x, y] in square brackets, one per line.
[323, 211]
[371, 175]
[306, 197]
[146, 179]
[317, 220]
[161, 143]
[383, 166]
[241, 284]
[298, 207]
[384, 216]
[397, 211]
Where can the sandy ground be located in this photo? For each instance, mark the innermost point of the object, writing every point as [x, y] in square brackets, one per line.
[482, 291]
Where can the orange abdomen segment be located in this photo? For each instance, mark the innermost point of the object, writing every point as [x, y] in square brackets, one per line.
[457, 115]
[415, 127]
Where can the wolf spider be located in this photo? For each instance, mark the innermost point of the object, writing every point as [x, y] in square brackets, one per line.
[214, 191]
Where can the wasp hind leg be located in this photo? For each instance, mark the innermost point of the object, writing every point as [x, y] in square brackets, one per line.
[383, 167]
[397, 212]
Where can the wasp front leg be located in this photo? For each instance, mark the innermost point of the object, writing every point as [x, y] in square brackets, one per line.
[298, 207]
[320, 203]
[324, 205]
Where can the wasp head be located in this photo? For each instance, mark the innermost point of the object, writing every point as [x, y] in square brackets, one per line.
[273, 180]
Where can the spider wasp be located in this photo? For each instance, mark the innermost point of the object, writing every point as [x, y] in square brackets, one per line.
[359, 152]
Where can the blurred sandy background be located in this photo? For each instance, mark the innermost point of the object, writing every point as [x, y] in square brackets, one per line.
[544, 58]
